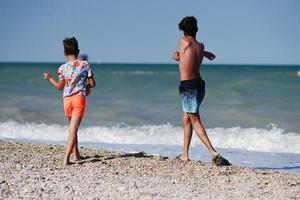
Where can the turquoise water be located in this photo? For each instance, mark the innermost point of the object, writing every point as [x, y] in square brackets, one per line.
[245, 95]
[247, 108]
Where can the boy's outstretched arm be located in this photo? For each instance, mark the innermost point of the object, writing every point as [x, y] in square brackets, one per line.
[209, 55]
[58, 84]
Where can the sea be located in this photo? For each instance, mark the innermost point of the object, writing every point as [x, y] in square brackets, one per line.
[251, 112]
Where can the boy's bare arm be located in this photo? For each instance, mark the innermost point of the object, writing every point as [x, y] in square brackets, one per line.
[91, 84]
[176, 56]
[209, 55]
[58, 84]
[182, 47]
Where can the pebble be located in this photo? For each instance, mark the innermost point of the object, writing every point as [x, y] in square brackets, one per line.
[18, 167]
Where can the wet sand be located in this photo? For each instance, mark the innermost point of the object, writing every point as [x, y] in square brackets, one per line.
[35, 171]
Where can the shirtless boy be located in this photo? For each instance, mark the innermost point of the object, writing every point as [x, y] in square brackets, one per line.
[192, 88]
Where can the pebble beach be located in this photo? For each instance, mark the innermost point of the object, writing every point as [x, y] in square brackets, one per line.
[35, 171]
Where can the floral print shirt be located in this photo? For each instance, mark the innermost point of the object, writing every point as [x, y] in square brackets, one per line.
[75, 74]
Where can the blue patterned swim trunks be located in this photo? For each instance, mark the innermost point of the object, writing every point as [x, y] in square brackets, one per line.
[192, 93]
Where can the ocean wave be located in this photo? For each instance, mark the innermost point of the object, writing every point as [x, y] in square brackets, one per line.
[272, 139]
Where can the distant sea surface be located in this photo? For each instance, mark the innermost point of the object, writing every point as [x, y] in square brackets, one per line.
[251, 112]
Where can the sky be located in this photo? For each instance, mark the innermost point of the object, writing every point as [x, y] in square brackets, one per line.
[143, 31]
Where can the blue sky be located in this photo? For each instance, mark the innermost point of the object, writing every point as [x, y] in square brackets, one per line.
[237, 31]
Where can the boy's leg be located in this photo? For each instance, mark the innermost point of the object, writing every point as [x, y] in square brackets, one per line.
[75, 149]
[198, 127]
[73, 129]
[188, 131]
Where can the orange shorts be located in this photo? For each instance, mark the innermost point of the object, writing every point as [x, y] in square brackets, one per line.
[74, 105]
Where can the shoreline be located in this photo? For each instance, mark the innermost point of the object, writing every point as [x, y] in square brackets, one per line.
[36, 171]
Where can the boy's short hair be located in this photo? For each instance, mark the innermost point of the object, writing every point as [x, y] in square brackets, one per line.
[71, 46]
[189, 26]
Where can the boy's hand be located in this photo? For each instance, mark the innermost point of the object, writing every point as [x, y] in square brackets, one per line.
[209, 55]
[47, 76]
[176, 56]
[88, 90]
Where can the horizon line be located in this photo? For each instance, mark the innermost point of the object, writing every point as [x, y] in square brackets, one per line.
[148, 63]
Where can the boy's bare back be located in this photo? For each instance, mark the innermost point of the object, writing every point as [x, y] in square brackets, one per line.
[191, 54]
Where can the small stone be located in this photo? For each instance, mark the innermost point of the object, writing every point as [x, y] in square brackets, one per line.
[29, 167]
[122, 188]
[145, 195]
[162, 158]
[293, 184]
[18, 167]
[66, 188]
[5, 186]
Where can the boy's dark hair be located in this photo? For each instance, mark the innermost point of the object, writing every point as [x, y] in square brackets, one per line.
[71, 46]
[189, 26]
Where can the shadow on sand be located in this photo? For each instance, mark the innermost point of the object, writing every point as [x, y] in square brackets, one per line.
[98, 158]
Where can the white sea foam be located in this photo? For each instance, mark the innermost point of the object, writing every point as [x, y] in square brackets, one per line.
[298, 73]
[274, 139]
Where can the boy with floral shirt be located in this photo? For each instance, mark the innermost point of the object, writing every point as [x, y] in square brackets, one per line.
[72, 78]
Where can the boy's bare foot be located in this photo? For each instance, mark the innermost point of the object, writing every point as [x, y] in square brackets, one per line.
[78, 157]
[182, 158]
[67, 163]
